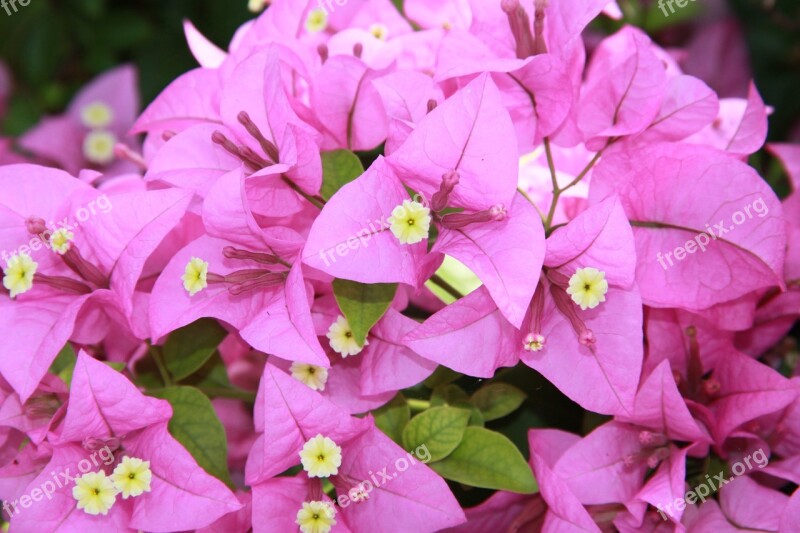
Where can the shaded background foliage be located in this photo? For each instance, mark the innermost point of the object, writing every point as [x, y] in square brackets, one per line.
[55, 46]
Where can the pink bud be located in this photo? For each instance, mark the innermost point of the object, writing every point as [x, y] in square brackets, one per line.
[35, 225]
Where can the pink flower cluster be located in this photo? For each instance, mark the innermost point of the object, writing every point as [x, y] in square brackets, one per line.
[561, 179]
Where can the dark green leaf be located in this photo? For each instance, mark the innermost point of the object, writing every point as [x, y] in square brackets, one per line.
[195, 425]
[64, 363]
[393, 417]
[476, 418]
[441, 376]
[497, 400]
[213, 374]
[363, 304]
[450, 394]
[189, 347]
[339, 168]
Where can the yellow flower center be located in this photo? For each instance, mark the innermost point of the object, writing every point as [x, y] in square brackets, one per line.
[95, 493]
[342, 340]
[588, 287]
[60, 240]
[316, 517]
[256, 6]
[317, 20]
[19, 272]
[379, 31]
[410, 222]
[533, 343]
[321, 457]
[132, 477]
[313, 376]
[98, 147]
[194, 277]
[97, 115]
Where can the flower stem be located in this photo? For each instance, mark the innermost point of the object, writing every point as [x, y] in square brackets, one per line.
[449, 289]
[317, 202]
[530, 201]
[155, 353]
[418, 405]
[557, 191]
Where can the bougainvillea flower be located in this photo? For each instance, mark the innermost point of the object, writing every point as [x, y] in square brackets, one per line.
[108, 421]
[624, 88]
[349, 238]
[79, 254]
[450, 174]
[740, 127]
[35, 417]
[406, 97]
[547, 196]
[586, 353]
[708, 252]
[536, 90]
[97, 119]
[289, 416]
[248, 280]
[383, 365]
[347, 105]
[259, 132]
[747, 390]
[565, 512]
[465, 134]
[207, 54]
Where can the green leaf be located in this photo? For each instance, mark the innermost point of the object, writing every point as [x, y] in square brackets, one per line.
[213, 374]
[457, 275]
[145, 374]
[64, 363]
[450, 394]
[476, 418]
[440, 429]
[189, 347]
[488, 460]
[497, 400]
[339, 168]
[363, 304]
[195, 425]
[393, 417]
[441, 376]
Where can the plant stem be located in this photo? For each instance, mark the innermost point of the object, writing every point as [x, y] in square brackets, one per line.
[585, 171]
[418, 405]
[449, 289]
[554, 180]
[557, 191]
[155, 353]
[548, 152]
[319, 203]
[530, 201]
